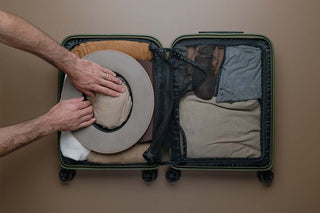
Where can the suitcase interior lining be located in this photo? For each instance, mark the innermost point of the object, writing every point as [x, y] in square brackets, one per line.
[182, 85]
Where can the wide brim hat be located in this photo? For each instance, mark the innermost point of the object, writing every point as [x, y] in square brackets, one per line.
[142, 96]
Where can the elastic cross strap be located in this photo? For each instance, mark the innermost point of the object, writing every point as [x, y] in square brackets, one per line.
[178, 55]
[154, 149]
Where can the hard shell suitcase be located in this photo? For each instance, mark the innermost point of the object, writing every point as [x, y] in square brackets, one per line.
[178, 82]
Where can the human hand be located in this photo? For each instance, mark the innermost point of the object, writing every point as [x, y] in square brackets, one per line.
[70, 115]
[89, 77]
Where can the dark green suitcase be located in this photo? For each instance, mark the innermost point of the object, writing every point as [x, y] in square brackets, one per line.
[168, 137]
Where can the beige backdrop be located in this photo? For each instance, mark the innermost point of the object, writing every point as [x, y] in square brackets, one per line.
[29, 177]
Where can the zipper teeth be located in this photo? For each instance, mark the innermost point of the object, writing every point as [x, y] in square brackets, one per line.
[113, 36]
[231, 35]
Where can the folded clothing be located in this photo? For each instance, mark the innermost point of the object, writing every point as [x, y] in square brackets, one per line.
[137, 50]
[220, 130]
[241, 74]
[130, 156]
[209, 57]
[71, 148]
[147, 65]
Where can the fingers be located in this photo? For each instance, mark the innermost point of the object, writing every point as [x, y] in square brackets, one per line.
[86, 117]
[111, 85]
[84, 104]
[79, 102]
[113, 79]
[106, 70]
[87, 123]
[89, 93]
[74, 100]
[86, 111]
[107, 91]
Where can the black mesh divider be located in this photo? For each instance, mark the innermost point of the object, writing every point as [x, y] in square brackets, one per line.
[183, 83]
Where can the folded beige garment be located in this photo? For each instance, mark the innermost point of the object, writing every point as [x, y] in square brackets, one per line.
[137, 50]
[110, 111]
[217, 130]
[130, 156]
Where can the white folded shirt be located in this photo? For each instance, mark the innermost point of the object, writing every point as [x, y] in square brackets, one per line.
[71, 148]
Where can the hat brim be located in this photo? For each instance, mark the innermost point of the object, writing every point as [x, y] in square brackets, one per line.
[142, 104]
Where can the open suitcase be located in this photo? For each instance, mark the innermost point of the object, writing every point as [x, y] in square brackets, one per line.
[214, 106]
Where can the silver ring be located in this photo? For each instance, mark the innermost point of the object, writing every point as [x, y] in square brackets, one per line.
[107, 76]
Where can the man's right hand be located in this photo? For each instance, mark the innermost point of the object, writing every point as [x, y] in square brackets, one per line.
[85, 75]
[71, 114]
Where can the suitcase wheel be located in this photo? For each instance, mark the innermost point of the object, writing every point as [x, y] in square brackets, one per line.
[173, 175]
[265, 176]
[149, 175]
[66, 175]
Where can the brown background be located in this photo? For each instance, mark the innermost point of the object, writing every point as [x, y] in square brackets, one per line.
[29, 177]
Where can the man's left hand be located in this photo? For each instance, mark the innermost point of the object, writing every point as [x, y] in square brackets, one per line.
[89, 78]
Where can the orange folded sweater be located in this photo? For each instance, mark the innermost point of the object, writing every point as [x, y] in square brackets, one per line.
[137, 50]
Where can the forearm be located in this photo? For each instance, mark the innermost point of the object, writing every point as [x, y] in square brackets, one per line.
[68, 115]
[16, 32]
[16, 136]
